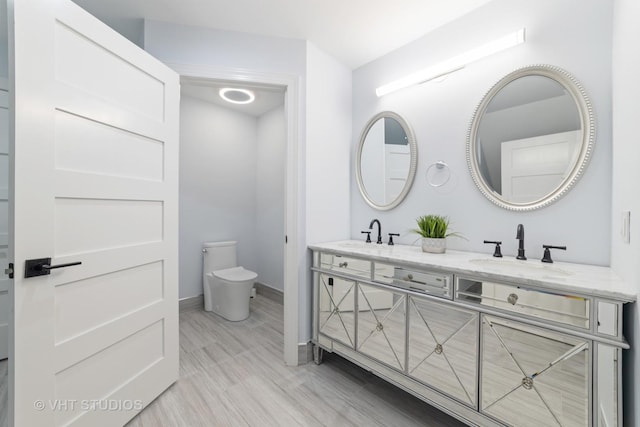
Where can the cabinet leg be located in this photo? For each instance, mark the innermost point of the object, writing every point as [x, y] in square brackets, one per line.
[318, 352]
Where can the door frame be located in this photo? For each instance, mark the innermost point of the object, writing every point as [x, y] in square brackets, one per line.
[291, 211]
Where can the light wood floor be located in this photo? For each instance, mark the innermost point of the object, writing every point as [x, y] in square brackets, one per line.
[232, 374]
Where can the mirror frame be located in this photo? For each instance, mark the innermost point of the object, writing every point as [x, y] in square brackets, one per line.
[587, 121]
[413, 149]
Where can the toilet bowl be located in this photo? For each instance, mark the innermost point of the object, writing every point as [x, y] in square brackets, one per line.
[227, 286]
[231, 292]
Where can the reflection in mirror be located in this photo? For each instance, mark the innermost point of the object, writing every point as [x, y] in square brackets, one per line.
[386, 160]
[609, 387]
[530, 138]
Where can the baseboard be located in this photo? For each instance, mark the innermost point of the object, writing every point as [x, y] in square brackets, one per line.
[305, 353]
[268, 292]
[191, 303]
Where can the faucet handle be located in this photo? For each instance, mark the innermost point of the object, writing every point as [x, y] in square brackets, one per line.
[368, 235]
[547, 253]
[391, 238]
[497, 252]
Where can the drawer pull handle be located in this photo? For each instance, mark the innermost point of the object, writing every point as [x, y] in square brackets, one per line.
[343, 264]
[438, 349]
[409, 277]
[512, 299]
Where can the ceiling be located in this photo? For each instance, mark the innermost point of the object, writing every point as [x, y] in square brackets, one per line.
[267, 97]
[353, 31]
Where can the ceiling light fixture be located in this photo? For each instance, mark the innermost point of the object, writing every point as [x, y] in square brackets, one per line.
[453, 64]
[237, 96]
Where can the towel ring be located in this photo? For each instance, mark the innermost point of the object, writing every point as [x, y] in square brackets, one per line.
[439, 165]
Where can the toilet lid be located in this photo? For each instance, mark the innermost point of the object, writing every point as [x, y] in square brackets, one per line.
[235, 274]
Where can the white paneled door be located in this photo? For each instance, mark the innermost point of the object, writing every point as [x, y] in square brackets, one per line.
[4, 218]
[95, 126]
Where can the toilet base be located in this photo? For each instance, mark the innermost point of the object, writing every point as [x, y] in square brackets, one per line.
[228, 299]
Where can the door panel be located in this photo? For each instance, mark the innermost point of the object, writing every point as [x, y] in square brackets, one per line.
[443, 348]
[533, 377]
[4, 218]
[534, 167]
[95, 167]
[382, 328]
[336, 317]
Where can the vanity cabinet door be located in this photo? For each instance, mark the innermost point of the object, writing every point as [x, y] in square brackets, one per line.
[443, 348]
[608, 386]
[382, 325]
[336, 304]
[533, 377]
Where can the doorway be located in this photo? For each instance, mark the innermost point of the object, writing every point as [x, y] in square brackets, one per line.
[232, 183]
[292, 236]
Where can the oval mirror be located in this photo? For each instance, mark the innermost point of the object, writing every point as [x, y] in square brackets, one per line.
[386, 160]
[530, 138]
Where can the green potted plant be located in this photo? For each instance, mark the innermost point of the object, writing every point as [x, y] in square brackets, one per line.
[433, 229]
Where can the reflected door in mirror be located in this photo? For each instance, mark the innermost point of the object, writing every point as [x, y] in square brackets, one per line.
[530, 138]
[534, 167]
[386, 161]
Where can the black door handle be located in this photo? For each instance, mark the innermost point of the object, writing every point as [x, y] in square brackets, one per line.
[51, 267]
[42, 267]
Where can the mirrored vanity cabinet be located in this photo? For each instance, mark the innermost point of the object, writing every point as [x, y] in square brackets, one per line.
[490, 341]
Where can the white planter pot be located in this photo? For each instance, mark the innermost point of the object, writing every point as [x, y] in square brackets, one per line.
[434, 246]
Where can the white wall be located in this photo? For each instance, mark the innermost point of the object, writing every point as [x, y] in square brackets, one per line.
[217, 186]
[626, 175]
[328, 147]
[203, 46]
[440, 114]
[328, 159]
[269, 217]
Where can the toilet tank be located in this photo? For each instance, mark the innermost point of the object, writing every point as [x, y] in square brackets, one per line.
[218, 256]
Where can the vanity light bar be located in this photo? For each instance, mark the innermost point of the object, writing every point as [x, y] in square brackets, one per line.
[453, 64]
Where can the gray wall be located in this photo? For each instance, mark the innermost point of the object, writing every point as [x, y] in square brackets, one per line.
[626, 175]
[269, 216]
[440, 114]
[4, 43]
[231, 188]
[217, 186]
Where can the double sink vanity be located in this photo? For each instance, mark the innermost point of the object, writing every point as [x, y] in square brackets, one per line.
[491, 341]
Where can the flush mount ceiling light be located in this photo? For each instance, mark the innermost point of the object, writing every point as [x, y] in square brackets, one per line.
[453, 64]
[237, 96]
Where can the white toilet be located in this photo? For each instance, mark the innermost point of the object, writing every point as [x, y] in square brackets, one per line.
[227, 287]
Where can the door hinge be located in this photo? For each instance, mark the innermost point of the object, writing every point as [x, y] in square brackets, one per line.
[286, 239]
[9, 271]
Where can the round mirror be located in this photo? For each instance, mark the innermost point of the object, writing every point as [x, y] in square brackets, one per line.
[386, 160]
[530, 138]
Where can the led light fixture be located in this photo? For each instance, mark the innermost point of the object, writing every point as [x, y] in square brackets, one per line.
[237, 96]
[453, 64]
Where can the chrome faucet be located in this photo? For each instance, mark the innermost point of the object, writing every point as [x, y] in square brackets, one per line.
[520, 237]
[379, 241]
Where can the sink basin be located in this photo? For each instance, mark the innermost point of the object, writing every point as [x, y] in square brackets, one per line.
[522, 267]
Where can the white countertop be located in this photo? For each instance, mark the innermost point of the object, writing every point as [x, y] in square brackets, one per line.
[560, 276]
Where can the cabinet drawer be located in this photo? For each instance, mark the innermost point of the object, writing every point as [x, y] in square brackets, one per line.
[571, 310]
[431, 283]
[346, 265]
